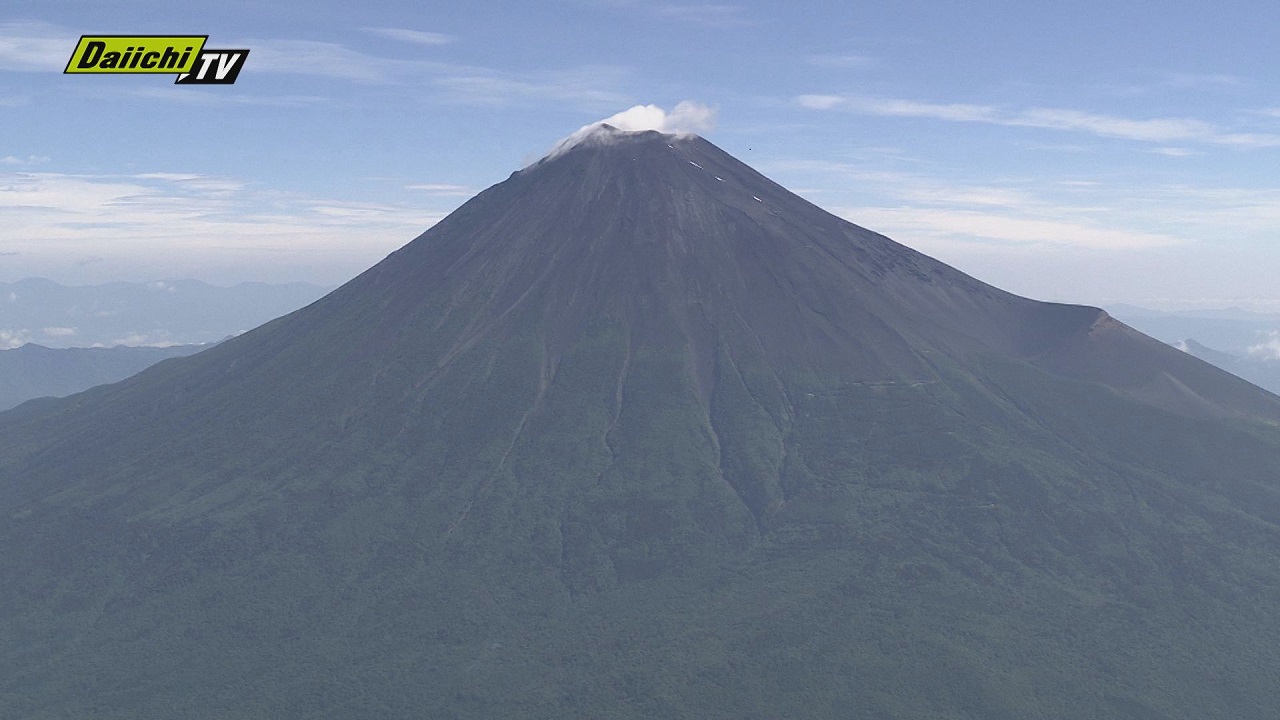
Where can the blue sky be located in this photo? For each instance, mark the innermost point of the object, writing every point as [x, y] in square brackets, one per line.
[1089, 152]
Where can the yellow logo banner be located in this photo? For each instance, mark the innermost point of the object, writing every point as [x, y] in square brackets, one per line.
[136, 54]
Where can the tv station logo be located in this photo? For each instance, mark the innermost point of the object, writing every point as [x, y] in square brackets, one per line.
[181, 55]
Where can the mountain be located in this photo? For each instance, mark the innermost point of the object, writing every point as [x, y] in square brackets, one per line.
[1231, 330]
[1257, 368]
[638, 433]
[33, 371]
[164, 312]
[1216, 358]
[1244, 343]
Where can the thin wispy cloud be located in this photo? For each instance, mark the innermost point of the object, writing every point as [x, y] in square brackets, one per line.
[927, 212]
[591, 87]
[28, 160]
[1214, 212]
[928, 225]
[899, 108]
[417, 37]
[324, 59]
[1205, 81]
[53, 217]
[193, 183]
[710, 14]
[1154, 130]
[842, 61]
[588, 86]
[184, 95]
[1150, 130]
[33, 46]
[443, 189]
[931, 213]
[1249, 140]
[1165, 84]
[39, 46]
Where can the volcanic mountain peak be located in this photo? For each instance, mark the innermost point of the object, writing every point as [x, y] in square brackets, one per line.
[639, 433]
[602, 133]
[658, 230]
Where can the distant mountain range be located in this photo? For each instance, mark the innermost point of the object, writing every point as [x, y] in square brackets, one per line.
[1233, 331]
[1244, 343]
[1260, 370]
[34, 371]
[169, 312]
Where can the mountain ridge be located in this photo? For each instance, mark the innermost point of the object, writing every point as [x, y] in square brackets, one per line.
[33, 371]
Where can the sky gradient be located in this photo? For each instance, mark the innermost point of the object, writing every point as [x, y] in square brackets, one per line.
[1076, 152]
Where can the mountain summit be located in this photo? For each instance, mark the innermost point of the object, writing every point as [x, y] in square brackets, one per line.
[639, 433]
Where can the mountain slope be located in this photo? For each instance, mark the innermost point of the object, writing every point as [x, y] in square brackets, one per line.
[638, 433]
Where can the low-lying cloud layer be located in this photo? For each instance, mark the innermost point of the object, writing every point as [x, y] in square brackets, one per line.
[1151, 130]
[1268, 348]
[178, 224]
